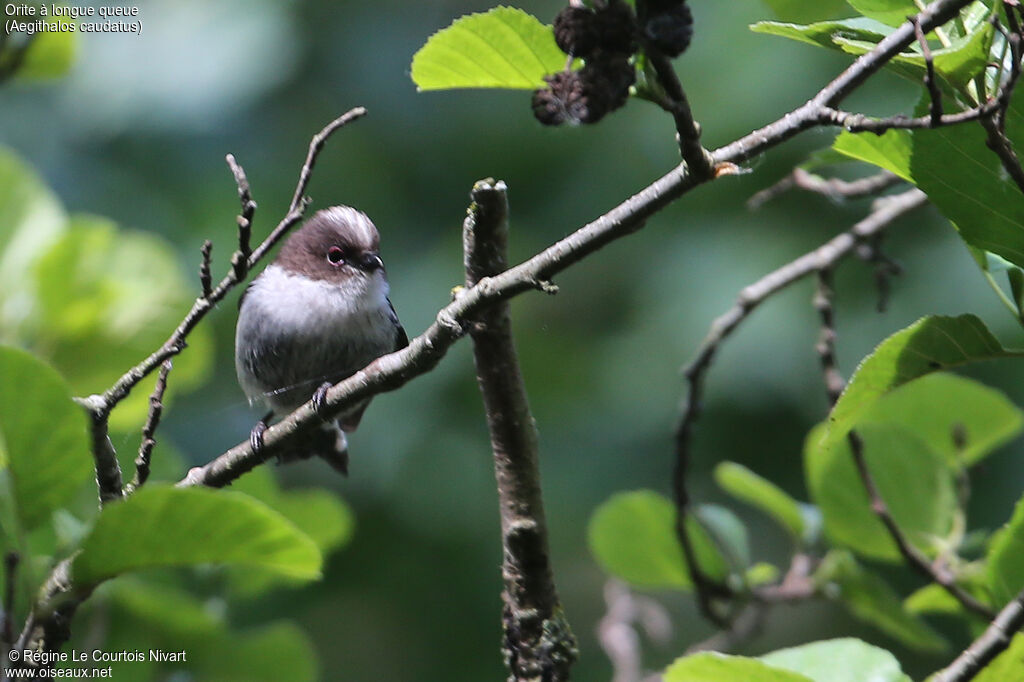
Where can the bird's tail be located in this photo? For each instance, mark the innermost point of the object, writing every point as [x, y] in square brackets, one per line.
[328, 443]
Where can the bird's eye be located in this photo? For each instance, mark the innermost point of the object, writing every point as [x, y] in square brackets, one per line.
[335, 256]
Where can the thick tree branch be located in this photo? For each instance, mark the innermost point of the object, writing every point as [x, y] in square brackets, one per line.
[538, 642]
[920, 563]
[993, 641]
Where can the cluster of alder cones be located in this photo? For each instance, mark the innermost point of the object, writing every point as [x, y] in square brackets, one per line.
[606, 38]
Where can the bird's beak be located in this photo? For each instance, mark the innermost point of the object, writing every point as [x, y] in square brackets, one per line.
[368, 262]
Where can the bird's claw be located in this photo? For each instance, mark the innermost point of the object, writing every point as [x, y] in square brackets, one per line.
[319, 396]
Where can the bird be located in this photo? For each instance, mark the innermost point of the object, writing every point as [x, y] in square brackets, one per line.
[318, 313]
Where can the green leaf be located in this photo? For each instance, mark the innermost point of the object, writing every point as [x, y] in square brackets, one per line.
[1008, 665]
[632, 536]
[966, 181]
[891, 12]
[839, 660]
[1006, 558]
[320, 514]
[935, 406]
[44, 441]
[715, 667]
[502, 48]
[889, 151]
[825, 33]
[744, 484]
[956, 64]
[173, 619]
[915, 482]
[50, 55]
[166, 526]
[928, 345]
[106, 296]
[932, 598]
[870, 599]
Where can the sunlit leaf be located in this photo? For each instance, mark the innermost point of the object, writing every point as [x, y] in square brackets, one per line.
[166, 526]
[502, 48]
[928, 345]
[943, 409]
[715, 667]
[839, 660]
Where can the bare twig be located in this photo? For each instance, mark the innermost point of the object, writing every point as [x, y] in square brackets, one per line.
[826, 345]
[991, 643]
[538, 642]
[933, 571]
[156, 408]
[824, 257]
[836, 189]
[694, 155]
[240, 260]
[204, 268]
[934, 94]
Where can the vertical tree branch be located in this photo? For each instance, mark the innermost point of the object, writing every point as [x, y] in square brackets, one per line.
[539, 646]
[992, 642]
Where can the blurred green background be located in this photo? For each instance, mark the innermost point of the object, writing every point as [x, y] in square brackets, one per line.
[138, 132]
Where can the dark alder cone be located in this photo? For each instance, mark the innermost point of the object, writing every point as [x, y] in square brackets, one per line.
[576, 31]
[571, 96]
[616, 28]
[611, 75]
[669, 28]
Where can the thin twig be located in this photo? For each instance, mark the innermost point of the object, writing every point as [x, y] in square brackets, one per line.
[930, 82]
[824, 257]
[538, 642]
[934, 572]
[836, 189]
[991, 643]
[694, 155]
[204, 268]
[156, 408]
[826, 346]
[240, 260]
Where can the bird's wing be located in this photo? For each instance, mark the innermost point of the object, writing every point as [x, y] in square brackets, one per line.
[401, 338]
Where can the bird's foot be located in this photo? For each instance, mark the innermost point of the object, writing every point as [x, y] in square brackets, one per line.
[256, 435]
[319, 396]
